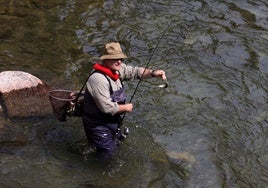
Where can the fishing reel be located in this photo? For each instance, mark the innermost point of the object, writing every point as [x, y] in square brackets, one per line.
[124, 133]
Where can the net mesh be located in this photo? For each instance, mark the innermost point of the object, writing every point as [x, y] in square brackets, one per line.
[60, 101]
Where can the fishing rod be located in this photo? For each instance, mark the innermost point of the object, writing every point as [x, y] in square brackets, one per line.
[146, 66]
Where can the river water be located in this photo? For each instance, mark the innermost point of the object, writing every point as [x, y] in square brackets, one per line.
[209, 128]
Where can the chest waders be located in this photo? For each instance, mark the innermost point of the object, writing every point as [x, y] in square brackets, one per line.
[102, 130]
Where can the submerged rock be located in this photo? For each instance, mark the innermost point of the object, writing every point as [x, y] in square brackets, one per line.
[183, 156]
[8, 24]
[23, 95]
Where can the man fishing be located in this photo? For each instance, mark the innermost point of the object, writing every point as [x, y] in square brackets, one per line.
[105, 98]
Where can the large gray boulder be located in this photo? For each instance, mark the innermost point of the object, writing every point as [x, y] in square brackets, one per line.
[23, 95]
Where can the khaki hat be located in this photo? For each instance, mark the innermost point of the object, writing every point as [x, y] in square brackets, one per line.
[113, 50]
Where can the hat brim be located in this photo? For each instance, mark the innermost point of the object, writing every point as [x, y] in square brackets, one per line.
[117, 56]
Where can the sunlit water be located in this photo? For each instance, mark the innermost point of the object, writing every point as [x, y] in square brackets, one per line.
[207, 129]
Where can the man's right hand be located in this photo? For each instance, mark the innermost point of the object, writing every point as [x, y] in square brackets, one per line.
[125, 108]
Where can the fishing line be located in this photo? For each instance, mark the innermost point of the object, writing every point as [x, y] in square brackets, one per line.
[146, 66]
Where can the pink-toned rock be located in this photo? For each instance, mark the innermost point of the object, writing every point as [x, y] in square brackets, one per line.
[23, 94]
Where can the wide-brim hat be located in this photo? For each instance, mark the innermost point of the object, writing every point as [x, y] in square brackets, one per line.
[112, 50]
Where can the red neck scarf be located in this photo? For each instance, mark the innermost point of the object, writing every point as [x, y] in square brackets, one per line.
[106, 70]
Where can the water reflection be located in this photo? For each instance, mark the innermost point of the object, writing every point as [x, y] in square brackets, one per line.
[207, 129]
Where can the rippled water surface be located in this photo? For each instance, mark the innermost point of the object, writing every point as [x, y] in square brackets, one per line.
[207, 129]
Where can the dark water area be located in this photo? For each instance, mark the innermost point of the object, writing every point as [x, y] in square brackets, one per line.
[209, 128]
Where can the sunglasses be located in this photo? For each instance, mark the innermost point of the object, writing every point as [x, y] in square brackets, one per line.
[118, 59]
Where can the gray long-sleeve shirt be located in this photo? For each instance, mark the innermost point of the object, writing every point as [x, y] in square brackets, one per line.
[99, 87]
